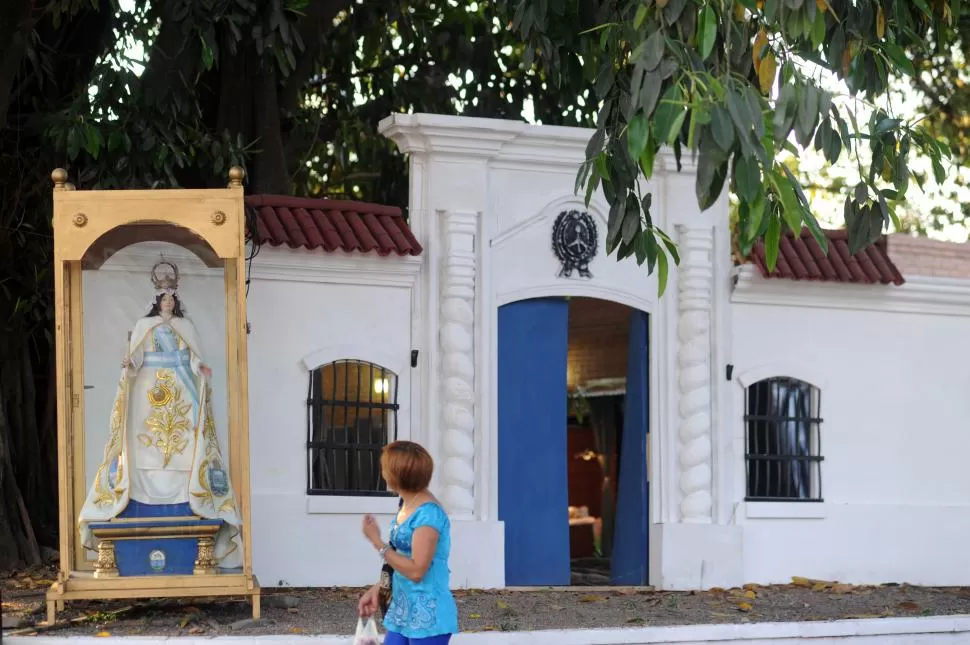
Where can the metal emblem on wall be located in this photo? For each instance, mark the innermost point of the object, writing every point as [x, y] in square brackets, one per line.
[574, 242]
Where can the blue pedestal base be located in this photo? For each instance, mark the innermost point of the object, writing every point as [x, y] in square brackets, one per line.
[155, 540]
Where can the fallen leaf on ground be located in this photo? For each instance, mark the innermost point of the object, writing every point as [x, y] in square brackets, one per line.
[909, 605]
[474, 615]
[750, 594]
[592, 599]
[744, 606]
[296, 630]
[103, 634]
[502, 604]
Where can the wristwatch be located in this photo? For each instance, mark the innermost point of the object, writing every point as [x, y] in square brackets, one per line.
[383, 550]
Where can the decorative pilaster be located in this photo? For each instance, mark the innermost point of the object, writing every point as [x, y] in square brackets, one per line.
[694, 353]
[457, 344]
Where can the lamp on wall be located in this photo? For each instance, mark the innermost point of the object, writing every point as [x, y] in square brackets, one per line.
[381, 386]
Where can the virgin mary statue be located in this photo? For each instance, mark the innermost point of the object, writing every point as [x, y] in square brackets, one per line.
[162, 457]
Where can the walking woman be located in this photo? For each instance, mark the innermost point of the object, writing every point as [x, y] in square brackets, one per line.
[422, 610]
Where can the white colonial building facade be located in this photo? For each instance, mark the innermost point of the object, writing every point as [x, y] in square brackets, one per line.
[740, 428]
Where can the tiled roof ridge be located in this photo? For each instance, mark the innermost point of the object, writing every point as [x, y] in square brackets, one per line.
[801, 258]
[331, 225]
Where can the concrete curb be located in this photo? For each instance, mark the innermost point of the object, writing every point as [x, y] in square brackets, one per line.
[933, 630]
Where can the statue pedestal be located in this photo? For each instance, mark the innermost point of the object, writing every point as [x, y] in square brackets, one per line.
[155, 540]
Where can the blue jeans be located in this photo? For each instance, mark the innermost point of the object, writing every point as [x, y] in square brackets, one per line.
[393, 638]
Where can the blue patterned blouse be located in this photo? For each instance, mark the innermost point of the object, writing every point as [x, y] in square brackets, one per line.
[426, 608]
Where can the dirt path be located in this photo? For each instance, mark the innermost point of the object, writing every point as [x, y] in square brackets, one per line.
[333, 611]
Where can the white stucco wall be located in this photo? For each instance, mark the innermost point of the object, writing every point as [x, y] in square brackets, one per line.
[891, 363]
[307, 309]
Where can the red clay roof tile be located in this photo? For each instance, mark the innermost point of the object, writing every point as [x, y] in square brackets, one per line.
[801, 258]
[327, 224]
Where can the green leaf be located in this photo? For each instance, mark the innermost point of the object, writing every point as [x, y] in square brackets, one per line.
[818, 30]
[640, 17]
[707, 32]
[650, 92]
[631, 219]
[673, 10]
[722, 128]
[637, 134]
[671, 246]
[670, 115]
[791, 209]
[653, 51]
[712, 170]
[772, 240]
[647, 158]
[661, 274]
[747, 177]
[898, 58]
[595, 143]
[885, 125]
[756, 214]
[614, 223]
[807, 114]
[651, 249]
[645, 204]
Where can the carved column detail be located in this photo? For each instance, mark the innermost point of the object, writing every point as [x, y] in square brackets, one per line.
[695, 283]
[205, 563]
[106, 565]
[457, 345]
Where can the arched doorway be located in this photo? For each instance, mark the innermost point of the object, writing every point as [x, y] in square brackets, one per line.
[572, 441]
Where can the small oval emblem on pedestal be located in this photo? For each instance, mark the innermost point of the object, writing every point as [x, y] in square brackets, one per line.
[157, 560]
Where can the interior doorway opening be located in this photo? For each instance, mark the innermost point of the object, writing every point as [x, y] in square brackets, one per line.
[573, 428]
[599, 337]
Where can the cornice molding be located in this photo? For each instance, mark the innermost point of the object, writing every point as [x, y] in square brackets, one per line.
[920, 295]
[501, 141]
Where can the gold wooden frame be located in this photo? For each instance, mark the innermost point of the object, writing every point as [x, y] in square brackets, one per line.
[113, 219]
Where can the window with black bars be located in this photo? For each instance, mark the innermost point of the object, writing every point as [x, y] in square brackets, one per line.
[351, 415]
[783, 457]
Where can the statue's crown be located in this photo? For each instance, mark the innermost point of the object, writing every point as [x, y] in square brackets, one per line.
[166, 280]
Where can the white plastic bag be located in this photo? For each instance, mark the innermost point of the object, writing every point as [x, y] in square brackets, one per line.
[367, 632]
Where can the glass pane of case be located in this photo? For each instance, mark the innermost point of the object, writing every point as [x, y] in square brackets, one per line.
[156, 449]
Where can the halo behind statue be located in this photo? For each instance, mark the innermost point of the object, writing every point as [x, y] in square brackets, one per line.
[166, 282]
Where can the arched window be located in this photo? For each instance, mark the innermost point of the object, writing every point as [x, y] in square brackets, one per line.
[783, 456]
[351, 415]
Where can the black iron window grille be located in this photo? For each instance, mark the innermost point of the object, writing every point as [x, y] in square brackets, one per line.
[783, 457]
[351, 415]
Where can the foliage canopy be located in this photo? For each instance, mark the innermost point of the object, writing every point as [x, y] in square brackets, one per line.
[737, 83]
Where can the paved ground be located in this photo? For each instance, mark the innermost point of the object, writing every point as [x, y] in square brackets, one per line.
[332, 611]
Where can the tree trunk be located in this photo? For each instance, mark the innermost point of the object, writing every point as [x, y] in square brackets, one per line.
[18, 545]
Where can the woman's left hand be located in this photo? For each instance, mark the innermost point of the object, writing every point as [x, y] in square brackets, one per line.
[371, 530]
[206, 371]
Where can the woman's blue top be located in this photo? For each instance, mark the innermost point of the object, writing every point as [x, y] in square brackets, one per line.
[425, 608]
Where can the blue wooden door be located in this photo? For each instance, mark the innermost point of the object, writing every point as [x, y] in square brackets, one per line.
[533, 337]
[631, 535]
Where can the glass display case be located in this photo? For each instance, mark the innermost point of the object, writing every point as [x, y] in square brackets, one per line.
[153, 439]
